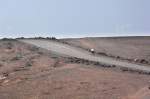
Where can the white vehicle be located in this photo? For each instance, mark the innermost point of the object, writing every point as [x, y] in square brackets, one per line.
[92, 51]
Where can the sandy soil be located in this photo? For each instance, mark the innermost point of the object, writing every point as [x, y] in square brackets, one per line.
[27, 72]
[126, 47]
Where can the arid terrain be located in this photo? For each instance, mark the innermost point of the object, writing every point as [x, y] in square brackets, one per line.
[129, 48]
[29, 72]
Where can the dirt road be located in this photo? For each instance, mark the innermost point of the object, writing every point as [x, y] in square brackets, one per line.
[64, 49]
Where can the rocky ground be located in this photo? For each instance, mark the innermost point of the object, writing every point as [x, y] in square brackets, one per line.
[28, 72]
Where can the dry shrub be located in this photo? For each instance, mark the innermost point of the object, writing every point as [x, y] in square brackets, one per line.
[28, 64]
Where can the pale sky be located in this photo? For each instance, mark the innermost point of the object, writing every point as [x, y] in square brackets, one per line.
[74, 18]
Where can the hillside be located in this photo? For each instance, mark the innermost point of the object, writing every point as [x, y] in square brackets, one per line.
[125, 47]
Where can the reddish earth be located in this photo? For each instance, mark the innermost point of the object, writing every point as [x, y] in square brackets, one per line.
[27, 72]
[143, 93]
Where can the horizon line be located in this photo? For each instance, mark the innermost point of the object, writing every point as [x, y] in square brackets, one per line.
[32, 35]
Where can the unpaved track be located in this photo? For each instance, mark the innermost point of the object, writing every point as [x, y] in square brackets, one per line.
[71, 51]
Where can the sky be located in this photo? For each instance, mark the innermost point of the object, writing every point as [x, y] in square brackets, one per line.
[74, 18]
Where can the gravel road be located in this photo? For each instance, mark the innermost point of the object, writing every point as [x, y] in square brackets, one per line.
[64, 49]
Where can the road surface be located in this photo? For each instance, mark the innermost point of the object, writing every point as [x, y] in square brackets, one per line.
[67, 50]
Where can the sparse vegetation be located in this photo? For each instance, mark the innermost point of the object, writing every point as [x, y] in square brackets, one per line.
[33, 48]
[21, 38]
[1, 64]
[20, 69]
[4, 59]
[9, 45]
[8, 39]
[49, 38]
[40, 53]
[53, 38]
[56, 64]
[28, 64]
[17, 57]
